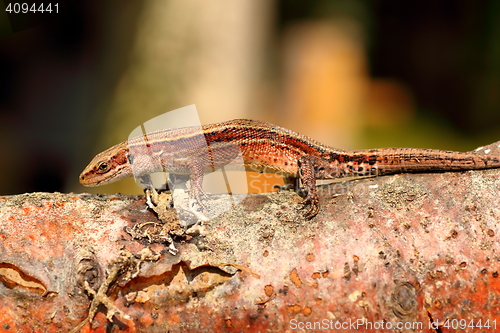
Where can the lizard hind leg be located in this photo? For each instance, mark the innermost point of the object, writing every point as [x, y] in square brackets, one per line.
[307, 165]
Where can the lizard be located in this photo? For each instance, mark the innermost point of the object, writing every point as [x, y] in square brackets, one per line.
[264, 147]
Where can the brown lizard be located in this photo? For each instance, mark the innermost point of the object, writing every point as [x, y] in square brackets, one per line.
[265, 148]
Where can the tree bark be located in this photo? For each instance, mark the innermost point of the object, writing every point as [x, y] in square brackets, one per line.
[410, 250]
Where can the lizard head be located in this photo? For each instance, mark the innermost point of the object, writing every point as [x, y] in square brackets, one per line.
[107, 167]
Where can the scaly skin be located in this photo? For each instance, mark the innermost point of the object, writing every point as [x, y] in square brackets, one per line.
[264, 148]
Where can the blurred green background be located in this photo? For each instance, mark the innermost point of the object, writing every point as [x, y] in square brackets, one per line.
[350, 73]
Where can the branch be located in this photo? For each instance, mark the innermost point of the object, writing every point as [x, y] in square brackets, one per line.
[397, 249]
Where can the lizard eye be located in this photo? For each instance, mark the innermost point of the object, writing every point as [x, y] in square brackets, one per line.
[102, 167]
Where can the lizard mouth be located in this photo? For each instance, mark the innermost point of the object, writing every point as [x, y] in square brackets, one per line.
[93, 180]
[85, 180]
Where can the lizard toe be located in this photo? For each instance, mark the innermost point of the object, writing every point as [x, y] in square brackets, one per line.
[312, 211]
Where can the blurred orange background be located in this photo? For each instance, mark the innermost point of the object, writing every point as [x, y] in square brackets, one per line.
[350, 73]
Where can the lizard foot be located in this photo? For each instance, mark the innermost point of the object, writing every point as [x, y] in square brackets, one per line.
[311, 202]
[198, 195]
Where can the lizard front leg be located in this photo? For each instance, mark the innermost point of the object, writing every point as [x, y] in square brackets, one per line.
[307, 172]
[197, 193]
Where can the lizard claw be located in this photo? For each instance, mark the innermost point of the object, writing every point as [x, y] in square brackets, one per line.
[311, 202]
[312, 212]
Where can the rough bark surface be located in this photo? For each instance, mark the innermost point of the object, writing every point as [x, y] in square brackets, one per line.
[410, 249]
